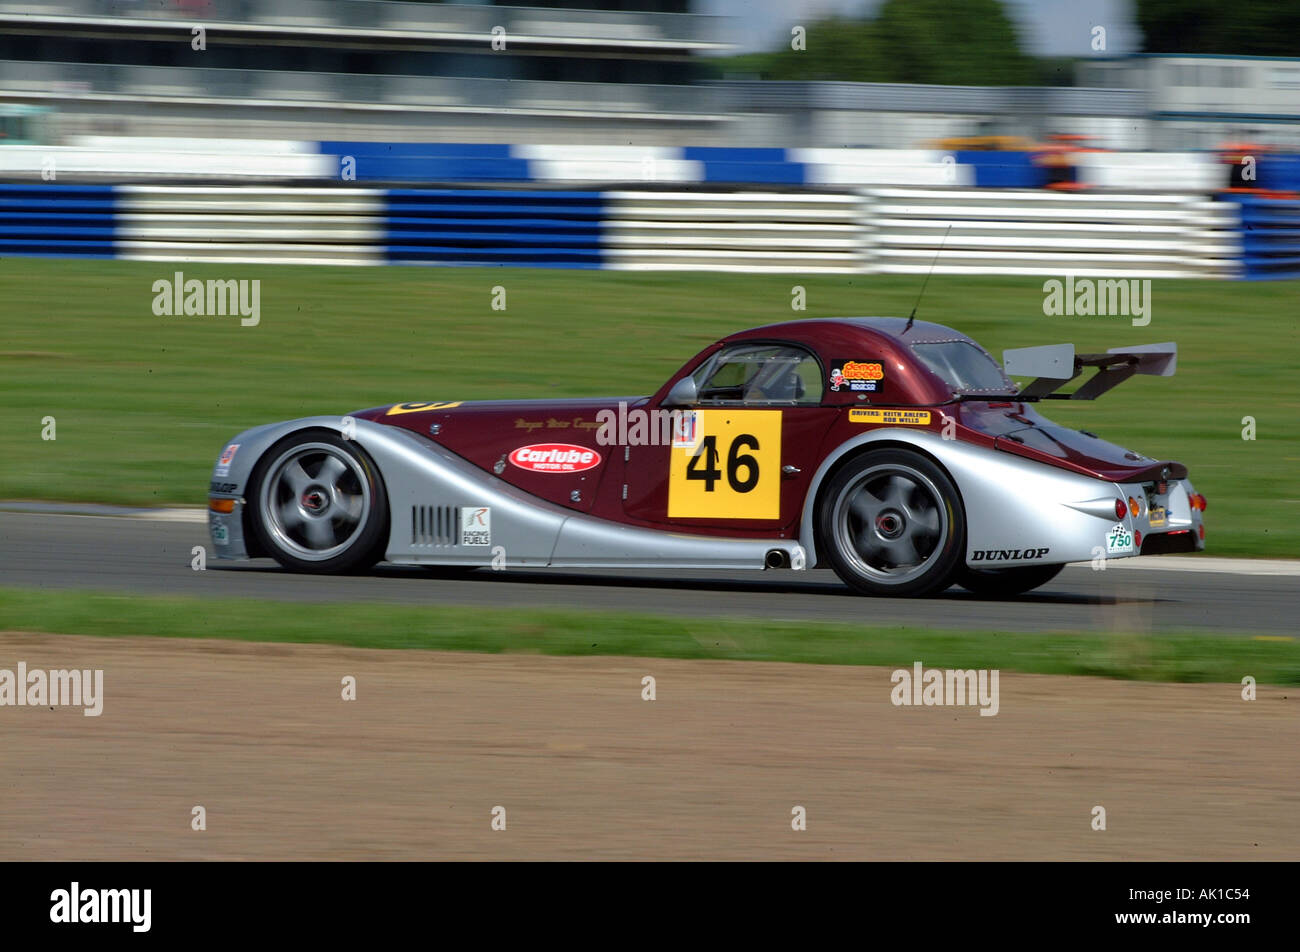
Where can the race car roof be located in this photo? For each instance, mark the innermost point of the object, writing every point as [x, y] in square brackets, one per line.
[912, 380]
[816, 330]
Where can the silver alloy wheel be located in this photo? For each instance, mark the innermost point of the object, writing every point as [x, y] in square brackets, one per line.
[315, 501]
[890, 523]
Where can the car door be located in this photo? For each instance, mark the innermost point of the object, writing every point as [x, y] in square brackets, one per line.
[742, 456]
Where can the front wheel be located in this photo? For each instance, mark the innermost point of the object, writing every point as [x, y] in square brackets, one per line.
[319, 504]
[892, 523]
[1004, 583]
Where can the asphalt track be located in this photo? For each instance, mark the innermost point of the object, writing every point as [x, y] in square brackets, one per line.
[148, 556]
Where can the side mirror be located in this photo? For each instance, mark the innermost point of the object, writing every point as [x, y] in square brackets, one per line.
[683, 394]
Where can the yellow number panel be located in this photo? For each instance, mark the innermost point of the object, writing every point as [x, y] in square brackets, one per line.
[733, 470]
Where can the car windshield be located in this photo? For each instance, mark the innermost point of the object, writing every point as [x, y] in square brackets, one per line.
[963, 366]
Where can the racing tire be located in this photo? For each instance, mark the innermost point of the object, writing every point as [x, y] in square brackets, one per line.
[1005, 583]
[318, 504]
[891, 522]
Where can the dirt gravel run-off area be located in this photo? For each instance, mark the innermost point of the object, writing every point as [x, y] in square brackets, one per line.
[261, 737]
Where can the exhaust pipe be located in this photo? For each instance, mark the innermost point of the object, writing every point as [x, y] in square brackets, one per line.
[777, 559]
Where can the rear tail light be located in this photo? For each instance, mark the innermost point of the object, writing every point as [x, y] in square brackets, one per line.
[1137, 538]
[221, 505]
[1201, 531]
[1133, 508]
[1120, 508]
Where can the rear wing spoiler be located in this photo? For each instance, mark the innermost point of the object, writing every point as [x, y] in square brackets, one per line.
[1055, 365]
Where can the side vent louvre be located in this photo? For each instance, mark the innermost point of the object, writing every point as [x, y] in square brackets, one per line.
[433, 525]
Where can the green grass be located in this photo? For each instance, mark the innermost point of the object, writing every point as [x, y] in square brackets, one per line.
[1163, 657]
[144, 403]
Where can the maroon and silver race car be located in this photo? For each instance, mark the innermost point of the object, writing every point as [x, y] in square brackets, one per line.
[897, 452]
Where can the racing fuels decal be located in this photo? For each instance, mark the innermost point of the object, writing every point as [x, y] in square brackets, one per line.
[1007, 555]
[555, 458]
[420, 407]
[1119, 541]
[731, 471]
[476, 526]
[856, 375]
[897, 417]
[223, 462]
[220, 531]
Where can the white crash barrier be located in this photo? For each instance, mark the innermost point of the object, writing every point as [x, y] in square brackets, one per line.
[733, 231]
[251, 224]
[82, 163]
[1162, 171]
[994, 231]
[904, 167]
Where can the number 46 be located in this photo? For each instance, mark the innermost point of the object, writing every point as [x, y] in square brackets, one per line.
[704, 464]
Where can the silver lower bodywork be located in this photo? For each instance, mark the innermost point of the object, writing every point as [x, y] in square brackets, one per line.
[1013, 507]
[428, 486]
[1016, 504]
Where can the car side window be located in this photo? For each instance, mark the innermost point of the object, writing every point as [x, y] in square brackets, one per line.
[760, 374]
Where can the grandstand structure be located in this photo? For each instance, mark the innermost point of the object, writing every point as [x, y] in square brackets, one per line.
[396, 71]
[1201, 101]
[363, 69]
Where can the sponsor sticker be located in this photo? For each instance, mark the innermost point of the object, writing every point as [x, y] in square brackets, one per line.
[223, 461]
[1007, 555]
[555, 458]
[893, 417]
[1156, 516]
[686, 430]
[220, 532]
[860, 375]
[420, 407]
[1119, 541]
[476, 526]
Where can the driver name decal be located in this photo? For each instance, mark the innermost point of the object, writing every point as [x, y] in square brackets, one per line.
[896, 417]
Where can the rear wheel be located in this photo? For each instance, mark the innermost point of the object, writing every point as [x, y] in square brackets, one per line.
[1015, 580]
[892, 523]
[319, 504]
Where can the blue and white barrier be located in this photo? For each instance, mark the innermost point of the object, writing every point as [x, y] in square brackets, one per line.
[1270, 237]
[858, 231]
[491, 227]
[74, 221]
[426, 164]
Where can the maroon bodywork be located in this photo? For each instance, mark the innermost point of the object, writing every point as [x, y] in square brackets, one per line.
[486, 433]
